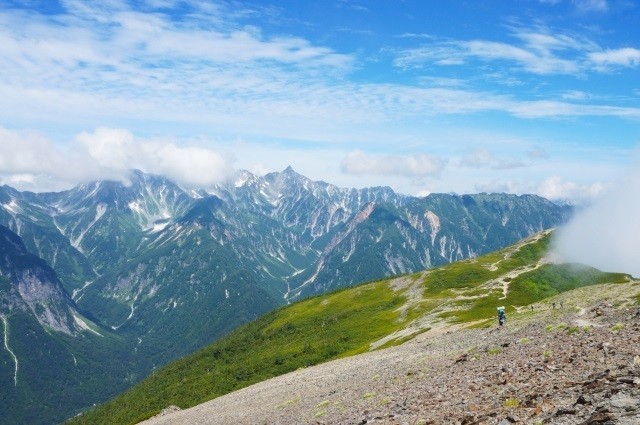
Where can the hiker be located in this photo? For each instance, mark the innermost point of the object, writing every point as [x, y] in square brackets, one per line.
[554, 305]
[502, 317]
[531, 307]
[561, 304]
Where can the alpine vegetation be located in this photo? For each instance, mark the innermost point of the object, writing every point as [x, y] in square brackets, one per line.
[351, 321]
[129, 270]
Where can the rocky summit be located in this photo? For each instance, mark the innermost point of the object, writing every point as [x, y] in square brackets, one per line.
[570, 359]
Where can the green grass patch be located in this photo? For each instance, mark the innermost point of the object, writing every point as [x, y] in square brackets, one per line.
[511, 403]
[341, 324]
[456, 276]
[617, 327]
[402, 340]
[552, 279]
[289, 403]
[300, 335]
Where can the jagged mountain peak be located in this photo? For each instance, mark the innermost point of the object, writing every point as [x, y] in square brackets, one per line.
[243, 178]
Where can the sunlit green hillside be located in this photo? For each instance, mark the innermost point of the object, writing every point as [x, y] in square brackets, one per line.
[352, 321]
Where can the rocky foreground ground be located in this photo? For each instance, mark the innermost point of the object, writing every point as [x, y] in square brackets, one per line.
[578, 363]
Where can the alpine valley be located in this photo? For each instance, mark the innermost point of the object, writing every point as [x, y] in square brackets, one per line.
[103, 283]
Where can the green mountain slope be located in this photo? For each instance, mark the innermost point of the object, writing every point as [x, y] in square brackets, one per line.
[53, 359]
[352, 321]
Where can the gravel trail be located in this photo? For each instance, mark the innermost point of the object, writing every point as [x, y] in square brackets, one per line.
[543, 367]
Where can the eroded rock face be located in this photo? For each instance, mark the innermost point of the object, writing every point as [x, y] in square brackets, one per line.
[32, 285]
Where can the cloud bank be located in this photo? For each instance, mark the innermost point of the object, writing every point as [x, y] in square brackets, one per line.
[30, 161]
[606, 234]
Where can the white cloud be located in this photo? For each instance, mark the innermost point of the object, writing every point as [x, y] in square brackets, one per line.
[111, 148]
[29, 161]
[419, 165]
[116, 55]
[627, 56]
[191, 166]
[554, 188]
[557, 188]
[500, 186]
[509, 158]
[208, 71]
[536, 56]
[550, 108]
[575, 95]
[118, 150]
[606, 234]
[539, 52]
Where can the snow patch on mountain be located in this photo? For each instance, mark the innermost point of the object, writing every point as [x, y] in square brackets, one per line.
[12, 207]
[434, 224]
[100, 210]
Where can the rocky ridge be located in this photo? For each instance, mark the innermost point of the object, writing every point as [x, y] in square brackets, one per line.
[571, 359]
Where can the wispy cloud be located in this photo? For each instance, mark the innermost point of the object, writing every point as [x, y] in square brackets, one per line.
[536, 51]
[482, 158]
[583, 5]
[625, 57]
[113, 50]
[555, 188]
[592, 5]
[575, 95]
[420, 165]
[194, 63]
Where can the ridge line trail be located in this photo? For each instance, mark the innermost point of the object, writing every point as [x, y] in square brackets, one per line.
[584, 322]
[5, 323]
[432, 372]
[506, 278]
[533, 239]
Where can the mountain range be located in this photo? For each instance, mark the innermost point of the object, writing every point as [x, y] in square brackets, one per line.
[147, 271]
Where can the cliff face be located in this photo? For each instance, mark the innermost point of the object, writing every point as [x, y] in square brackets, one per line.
[577, 363]
[33, 286]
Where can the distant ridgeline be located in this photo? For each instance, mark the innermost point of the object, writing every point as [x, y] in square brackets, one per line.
[146, 272]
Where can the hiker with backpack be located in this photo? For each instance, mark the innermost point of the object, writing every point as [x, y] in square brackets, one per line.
[502, 316]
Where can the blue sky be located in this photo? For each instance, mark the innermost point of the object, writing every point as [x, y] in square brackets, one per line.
[522, 96]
